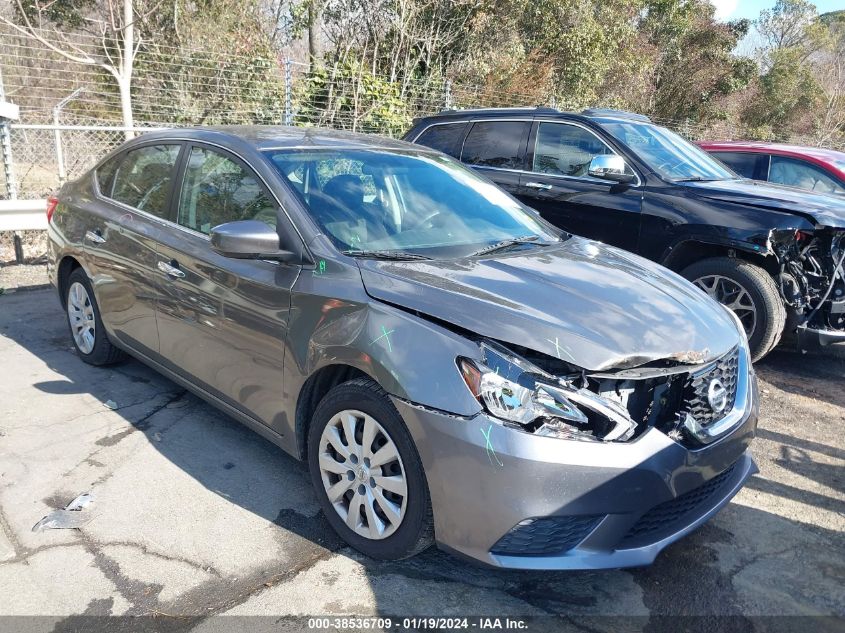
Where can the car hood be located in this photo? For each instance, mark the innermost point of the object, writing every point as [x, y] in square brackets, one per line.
[592, 305]
[821, 209]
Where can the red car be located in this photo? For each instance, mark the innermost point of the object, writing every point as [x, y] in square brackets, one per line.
[814, 168]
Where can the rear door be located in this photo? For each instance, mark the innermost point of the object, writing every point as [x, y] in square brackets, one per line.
[556, 184]
[223, 321]
[497, 150]
[121, 234]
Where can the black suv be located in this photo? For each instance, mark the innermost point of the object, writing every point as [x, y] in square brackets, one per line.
[773, 254]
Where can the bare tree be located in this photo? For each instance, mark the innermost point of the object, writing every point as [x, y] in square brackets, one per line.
[114, 24]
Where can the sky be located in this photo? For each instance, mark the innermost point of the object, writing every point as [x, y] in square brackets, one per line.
[737, 9]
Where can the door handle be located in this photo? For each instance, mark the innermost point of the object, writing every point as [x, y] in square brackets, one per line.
[538, 185]
[170, 270]
[95, 236]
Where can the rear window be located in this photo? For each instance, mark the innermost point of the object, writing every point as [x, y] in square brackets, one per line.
[144, 177]
[105, 175]
[445, 137]
[496, 144]
[743, 163]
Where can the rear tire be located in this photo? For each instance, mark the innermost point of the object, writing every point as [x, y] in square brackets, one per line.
[750, 292]
[86, 327]
[367, 508]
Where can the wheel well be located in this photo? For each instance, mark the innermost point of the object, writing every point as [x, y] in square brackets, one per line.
[313, 391]
[66, 267]
[687, 253]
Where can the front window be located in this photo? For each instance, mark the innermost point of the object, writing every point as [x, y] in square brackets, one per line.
[562, 149]
[671, 156]
[798, 173]
[389, 201]
[218, 189]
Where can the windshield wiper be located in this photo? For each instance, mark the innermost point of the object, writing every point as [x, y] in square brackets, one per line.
[498, 246]
[397, 255]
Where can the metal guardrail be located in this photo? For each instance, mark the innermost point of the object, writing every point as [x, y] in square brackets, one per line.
[22, 215]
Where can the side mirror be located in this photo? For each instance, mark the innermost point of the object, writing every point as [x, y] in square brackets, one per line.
[609, 167]
[248, 239]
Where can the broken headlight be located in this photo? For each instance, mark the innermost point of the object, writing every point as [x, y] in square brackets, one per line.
[514, 390]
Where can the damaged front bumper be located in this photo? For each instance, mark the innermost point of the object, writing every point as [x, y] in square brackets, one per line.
[810, 339]
[517, 500]
[812, 284]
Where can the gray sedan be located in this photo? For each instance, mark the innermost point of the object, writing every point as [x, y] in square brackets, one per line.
[452, 368]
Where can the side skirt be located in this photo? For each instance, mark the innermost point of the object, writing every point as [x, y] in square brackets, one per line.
[264, 431]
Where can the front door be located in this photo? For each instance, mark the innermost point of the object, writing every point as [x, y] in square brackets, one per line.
[223, 321]
[121, 232]
[557, 185]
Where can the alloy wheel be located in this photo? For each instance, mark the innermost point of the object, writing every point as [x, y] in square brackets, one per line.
[362, 474]
[732, 295]
[80, 313]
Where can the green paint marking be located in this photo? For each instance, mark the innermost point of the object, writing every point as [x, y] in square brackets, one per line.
[321, 268]
[491, 452]
[386, 336]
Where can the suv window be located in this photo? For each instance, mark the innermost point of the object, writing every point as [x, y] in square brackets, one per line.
[218, 189]
[496, 144]
[566, 149]
[799, 173]
[743, 163]
[144, 176]
[445, 137]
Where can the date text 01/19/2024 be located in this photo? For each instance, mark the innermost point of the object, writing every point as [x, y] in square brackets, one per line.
[416, 623]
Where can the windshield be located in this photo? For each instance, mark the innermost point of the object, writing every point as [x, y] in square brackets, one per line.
[388, 201]
[668, 154]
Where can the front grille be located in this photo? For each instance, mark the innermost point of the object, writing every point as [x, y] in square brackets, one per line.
[670, 516]
[695, 398]
[546, 536]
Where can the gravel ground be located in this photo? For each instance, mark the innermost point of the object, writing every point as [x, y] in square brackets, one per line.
[34, 246]
[30, 275]
[197, 520]
[22, 277]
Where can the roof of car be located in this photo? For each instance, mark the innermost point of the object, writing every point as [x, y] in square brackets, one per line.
[820, 154]
[597, 114]
[265, 137]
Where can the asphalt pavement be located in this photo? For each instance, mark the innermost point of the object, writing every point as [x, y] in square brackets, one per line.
[194, 516]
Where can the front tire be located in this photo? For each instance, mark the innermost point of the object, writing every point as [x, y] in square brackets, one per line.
[86, 327]
[367, 474]
[750, 292]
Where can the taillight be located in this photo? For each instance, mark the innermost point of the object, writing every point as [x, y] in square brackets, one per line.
[52, 203]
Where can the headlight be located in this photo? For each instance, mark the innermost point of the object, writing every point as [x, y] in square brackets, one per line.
[515, 390]
[511, 401]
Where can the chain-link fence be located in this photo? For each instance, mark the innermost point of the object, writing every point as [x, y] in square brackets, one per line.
[71, 111]
[43, 156]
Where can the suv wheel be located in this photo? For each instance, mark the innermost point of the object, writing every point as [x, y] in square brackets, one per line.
[367, 474]
[86, 327]
[750, 292]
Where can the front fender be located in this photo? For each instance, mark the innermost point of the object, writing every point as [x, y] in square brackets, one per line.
[756, 242]
[410, 357]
